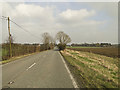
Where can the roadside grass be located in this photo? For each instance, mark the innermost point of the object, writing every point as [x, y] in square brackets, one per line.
[15, 58]
[4, 52]
[0, 54]
[92, 70]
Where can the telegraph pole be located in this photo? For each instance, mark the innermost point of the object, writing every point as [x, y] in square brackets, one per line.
[9, 37]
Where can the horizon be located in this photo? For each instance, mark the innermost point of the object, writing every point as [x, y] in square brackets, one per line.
[67, 44]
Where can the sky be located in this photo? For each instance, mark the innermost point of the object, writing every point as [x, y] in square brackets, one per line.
[88, 22]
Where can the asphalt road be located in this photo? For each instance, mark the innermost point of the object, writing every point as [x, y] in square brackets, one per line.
[42, 70]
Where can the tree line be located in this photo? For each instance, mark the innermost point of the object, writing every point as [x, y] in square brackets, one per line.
[48, 42]
[93, 44]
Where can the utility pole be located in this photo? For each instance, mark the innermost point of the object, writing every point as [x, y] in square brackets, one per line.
[9, 37]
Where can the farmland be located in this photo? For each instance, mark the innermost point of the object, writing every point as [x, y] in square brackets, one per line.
[107, 51]
[92, 70]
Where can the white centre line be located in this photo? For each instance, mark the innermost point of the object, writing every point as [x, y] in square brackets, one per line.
[31, 66]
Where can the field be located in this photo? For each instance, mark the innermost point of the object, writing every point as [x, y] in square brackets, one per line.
[81, 47]
[107, 51]
[92, 70]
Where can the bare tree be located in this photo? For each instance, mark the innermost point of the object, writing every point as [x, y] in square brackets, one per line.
[47, 39]
[63, 38]
[52, 42]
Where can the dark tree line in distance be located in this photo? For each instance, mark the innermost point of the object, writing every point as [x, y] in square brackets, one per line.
[93, 44]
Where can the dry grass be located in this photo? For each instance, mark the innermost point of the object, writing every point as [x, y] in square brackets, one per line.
[16, 58]
[101, 71]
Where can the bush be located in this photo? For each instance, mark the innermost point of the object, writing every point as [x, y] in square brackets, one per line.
[18, 49]
[61, 46]
[44, 47]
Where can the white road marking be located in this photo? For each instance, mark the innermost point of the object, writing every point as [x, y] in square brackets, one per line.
[31, 66]
[71, 77]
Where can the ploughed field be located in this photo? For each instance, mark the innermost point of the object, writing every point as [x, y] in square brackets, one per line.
[107, 51]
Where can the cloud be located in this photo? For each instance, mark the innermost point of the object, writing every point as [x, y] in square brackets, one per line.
[34, 18]
[37, 19]
[81, 26]
[110, 8]
[76, 14]
[78, 18]
[32, 11]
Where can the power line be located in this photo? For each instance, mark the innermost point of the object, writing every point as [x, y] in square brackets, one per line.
[21, 27]
[25, 29]
[3, 18]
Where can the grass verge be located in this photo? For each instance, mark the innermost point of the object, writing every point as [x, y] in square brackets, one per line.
[76, 73]
[92, 72]
[15, 58]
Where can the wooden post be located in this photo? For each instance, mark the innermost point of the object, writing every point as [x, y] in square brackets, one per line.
[9, 37]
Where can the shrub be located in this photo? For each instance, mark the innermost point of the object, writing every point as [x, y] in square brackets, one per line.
[61, 46]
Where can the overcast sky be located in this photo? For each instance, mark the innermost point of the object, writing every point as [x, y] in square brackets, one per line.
[83, 22]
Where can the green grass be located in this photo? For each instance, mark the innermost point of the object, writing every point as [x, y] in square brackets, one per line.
[4, 52]
[94, 74]
[0, 52]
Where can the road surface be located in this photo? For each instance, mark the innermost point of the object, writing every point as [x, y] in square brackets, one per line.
[42, 70]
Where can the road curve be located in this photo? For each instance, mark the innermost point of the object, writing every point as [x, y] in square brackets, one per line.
[41, 70]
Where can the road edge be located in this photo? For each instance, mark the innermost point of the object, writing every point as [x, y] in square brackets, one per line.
[71, 76]
[11, 60]
[18, 57]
